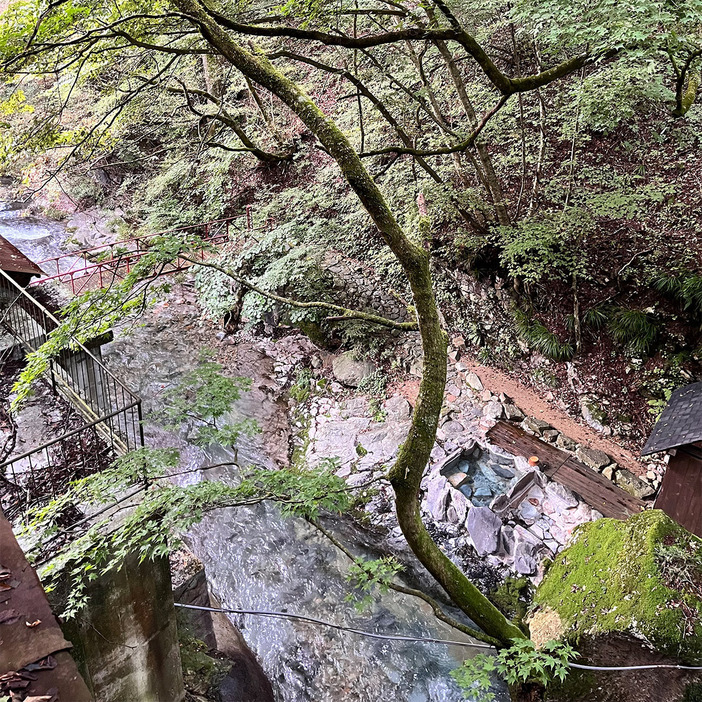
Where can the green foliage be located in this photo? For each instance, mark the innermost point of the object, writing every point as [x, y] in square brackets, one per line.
[93, 313]
[625, 198]
[595, 317]
[615, 94]
[541, 339]
[304, 493]
[661, 381]
[637, 329]
[631, 26]
[686, 288]
[693, 693]
[366, 575]
[376, 409]
[367, 339]
[374, 383]
[522, 663]
[216, 292]
[302, 387]
[512, 597]
[160, 513]
[202, 674]
[613, 579]
[539, 250]
[656, 405]
[203, 396]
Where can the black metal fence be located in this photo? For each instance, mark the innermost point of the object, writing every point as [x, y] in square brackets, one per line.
[111, 412]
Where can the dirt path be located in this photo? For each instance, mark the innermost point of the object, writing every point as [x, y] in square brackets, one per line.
[532, 404]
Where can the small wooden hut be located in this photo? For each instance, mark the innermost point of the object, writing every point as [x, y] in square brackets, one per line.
[679, 433]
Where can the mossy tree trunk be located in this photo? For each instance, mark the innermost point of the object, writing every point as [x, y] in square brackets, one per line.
[407, 472]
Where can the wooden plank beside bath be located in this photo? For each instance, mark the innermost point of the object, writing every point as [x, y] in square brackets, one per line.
[516, 441]
[601, 494]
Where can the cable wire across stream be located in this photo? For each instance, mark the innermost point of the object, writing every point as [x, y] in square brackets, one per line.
[418, 639]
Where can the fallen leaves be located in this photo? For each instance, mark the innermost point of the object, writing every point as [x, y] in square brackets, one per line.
[16, 682]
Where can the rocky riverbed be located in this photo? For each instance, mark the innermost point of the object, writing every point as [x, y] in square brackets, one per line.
[502, 517]
[255, 559]
[520, 520]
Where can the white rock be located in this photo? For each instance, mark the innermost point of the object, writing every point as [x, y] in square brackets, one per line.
[474, 381]
[437, 497]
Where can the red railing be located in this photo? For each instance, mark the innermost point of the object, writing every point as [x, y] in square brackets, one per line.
[81, 270]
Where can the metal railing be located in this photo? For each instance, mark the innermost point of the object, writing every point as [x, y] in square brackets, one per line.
[111, 412]
[98, 266]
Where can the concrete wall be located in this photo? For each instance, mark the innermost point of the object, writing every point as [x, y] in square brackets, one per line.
[246, 680]
[126, 641]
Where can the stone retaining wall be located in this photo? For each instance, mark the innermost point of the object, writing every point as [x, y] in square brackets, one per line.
[360, 287]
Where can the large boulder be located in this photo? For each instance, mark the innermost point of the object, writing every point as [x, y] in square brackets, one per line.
[493, 410]
[512, 412]
[633, 484]
[483, 527]
[593, 458]
[524, 561]
[397, 407]
[531, 425]
[459, 508]
[350, 371]
[616, 580]
[560, 497]
[437, 497]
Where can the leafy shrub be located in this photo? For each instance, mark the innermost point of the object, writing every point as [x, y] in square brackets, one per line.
[512, 597]
[377, 412]
[521, 663]
[541, 339]
[538, 250]
[200, 400]
[686, 288]
[637, 329]
[301, 388]
[615, 94]
[216, 292]
[595, 317]
[365, 575]
[374, 384]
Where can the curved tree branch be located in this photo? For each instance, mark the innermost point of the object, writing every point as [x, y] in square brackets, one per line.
[406, 474]
[344, 313]
[436, 607]
[230, 121]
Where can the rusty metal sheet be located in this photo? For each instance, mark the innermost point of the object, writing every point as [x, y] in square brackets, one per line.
[12, 260]
[22, 604]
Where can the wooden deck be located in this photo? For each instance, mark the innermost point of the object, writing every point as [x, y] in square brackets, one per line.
[601, 494]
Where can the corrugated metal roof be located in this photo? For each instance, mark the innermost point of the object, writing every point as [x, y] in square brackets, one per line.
[12, 260]
[680, 423]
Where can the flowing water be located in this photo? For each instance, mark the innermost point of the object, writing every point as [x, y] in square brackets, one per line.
[256, 559]
[37, 239]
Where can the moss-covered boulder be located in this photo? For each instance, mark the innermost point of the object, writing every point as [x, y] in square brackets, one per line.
[641, 577]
